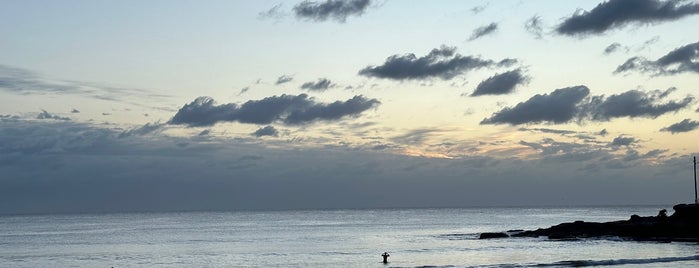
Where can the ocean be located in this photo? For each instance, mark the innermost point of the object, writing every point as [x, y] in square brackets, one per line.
[327, 238]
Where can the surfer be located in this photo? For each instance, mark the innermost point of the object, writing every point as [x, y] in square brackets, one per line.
[385, 257]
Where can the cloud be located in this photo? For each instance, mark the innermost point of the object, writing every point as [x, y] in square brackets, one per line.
[623, 141]
[243, 90]
[441, 62]
[159, 173]
[603, 132]
[75, 111]
[26, 82]
[549, 130]
[573, 104]
[46, 115]
[337, 10]
[633, 103]
[499, 84]
[284, 79]
[534, 26]
[274, 13]
[681, 60]
[322, 84]
[618, 13]
[287, 109]
[479, 9]
[266, 131]
[685, 125]
[558, 107]
[483, 31]
[614, 47]
[142, 130]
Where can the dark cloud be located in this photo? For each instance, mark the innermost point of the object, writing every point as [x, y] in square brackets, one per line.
[322, 84]
[685, 125]
[284, 79]
[337, 10]
[499, 84]
[603, 132]
[573, 104]
[288, 109]
[75, 111]
[46, 115]
[623, 141]
[441, 62]
[534, 26]
[681, 60]
[618, 13]
[633, 103]
[266, 131]
[483, 31]
[557, 107]
[332, 111]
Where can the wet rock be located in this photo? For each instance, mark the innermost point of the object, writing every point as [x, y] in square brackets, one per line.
[493, 235]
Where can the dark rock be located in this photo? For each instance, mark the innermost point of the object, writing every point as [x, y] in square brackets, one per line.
[493, 235]
[681, 226]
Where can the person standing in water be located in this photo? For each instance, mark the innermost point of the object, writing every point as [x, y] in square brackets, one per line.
[385, 257]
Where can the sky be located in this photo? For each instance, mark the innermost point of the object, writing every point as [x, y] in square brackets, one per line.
[109, 106]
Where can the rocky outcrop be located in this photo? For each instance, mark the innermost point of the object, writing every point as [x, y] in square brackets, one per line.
[683, 225]
[493, 235]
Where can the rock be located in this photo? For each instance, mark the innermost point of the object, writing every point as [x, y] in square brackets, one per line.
[493, 235]
[681, 226]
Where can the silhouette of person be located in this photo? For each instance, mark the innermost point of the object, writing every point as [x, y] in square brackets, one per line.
[385, 257]
[662, 213]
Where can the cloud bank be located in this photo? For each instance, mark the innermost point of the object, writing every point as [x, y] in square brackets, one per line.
[441, 62]
[618, 13]
[338, 10]
[573, 104]
[287, 109]
[50, 167]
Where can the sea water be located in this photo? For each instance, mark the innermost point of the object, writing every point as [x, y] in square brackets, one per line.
[327, 238]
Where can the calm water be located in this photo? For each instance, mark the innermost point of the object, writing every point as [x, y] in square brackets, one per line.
[326, 238]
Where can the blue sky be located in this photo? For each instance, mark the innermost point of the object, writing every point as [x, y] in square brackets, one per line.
[189, 105]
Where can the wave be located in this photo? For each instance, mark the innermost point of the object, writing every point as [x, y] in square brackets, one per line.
[586, 263]
[581, 263]
[459, 236]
